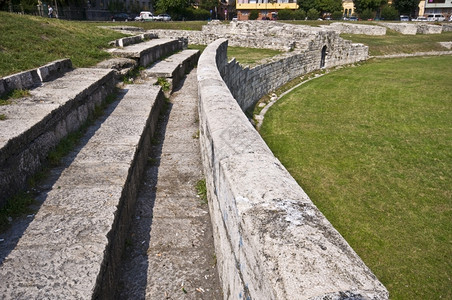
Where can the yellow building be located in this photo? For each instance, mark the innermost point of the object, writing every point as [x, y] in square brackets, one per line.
[267, 9]
[349, 8]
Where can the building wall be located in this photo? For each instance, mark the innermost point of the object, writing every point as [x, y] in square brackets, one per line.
[266, 9]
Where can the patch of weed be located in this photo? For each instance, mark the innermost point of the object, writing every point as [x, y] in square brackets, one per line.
[3, 117]
[15, 206]
[163, 82]
[201, 190]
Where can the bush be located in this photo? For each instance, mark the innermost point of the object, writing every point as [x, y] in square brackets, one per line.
[299, 14]
[366, 14]
[253, 15]
[313, 14]
[337, 15]
[285, 14]
[389, 13]
[192, 14]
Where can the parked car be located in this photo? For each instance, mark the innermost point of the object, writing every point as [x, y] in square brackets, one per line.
[353, 18]
[145, 16]
[121, 17]
[404, 18]
[420, 19]
[164, 17]
[436, 18]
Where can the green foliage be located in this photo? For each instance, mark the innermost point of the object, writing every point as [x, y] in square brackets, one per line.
[328, 6]
[406, 6]
[367, 14]
[373, 5]
[313, 14]
[196, 14]
[337, 15]
[306, 5]
[174, 7]
[163, 82]
[208, 4]
[254, 14]
[14, 94]
[3, 117]
[377, 164]
[15, 206]
[299, 14]
[201, 190]
[389, 13]
[285, 14]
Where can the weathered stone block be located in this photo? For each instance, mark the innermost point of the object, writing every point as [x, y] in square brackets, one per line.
[271, 241]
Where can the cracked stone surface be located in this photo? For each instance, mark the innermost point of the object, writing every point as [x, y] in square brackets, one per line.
[170, 253]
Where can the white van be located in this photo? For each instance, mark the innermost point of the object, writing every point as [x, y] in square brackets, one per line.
[145, 16]
[435, 18]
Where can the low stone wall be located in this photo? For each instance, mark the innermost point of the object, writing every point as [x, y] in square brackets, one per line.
[414, 28]
[256, 34]
[34, 125]
[150, 51]
[33, 78]
[133, 39]
[403, 28]
[249, 85]
[428, 29]
[356, 28]
[446, 27]
[271, 241]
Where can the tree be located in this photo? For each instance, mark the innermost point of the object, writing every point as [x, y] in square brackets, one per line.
[306, 4]
[313, 14]
[172, 6]
[366, 14]
[328, 6]
[254, 14]
[373, 5]
[208, 4]
[389, 13]
[406, 6]
[285, 14]
[337, 15]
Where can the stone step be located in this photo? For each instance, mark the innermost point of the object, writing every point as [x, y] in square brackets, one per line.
[35, 124]
[174, 67]
[72, 247]
[148, 52]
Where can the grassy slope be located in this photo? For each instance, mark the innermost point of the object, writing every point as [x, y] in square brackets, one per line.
[394, 42]
[371, 145]
[27, 42]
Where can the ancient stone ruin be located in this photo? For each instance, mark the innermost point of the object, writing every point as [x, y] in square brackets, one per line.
[271, 242]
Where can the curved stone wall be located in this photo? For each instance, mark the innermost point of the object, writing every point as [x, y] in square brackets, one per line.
[271, 241]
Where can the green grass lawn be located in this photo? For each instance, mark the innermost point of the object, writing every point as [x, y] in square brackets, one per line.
[394, 42]
[246, 56]
[27, 42]
[372, 147]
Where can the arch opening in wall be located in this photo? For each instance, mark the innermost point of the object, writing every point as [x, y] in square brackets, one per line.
[323, 57]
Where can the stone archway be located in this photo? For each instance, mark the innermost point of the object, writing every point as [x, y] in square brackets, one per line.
[323, 57]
